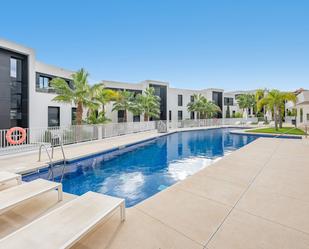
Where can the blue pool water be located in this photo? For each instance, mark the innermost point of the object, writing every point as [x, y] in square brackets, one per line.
[140, 171]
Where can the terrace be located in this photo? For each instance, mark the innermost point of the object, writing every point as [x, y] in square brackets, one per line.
[250, 198]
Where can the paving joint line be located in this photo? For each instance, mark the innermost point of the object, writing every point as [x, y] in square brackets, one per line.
[246, 190]
[170, 227]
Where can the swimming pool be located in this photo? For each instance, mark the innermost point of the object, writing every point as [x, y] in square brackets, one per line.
[139, 171]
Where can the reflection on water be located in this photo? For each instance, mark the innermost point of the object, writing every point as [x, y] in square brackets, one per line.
[135, 173]
[180, 170]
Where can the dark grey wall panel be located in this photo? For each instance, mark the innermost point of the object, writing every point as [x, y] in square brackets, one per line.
[5, 90]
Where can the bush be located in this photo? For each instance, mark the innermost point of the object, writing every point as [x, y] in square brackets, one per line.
[237, 115]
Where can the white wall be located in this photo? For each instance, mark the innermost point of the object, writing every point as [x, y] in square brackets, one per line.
[302, 103]
[40, 101]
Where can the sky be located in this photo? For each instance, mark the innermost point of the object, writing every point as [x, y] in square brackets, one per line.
[229, 44]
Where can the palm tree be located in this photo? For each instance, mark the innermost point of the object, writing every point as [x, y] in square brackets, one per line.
[259, 94]
[125, 102]
[77, 93]
[274, 101]
[99, 96]
[209, 109]
[195, 106]
[203, 107]
[148, 103]
[105, 96]
[246, 101]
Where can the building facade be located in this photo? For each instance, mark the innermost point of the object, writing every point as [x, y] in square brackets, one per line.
[302, 106]
[25, 93]
[26, 98]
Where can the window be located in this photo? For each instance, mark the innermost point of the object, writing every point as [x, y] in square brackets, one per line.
[307, 116]
[228, 101]
[179, 100]
[301, 114]
[53, 116]
[136, 118]
[192, 98]
[44, 82]
[179, 115]
[73, 115]
[120, 116]
[13, 68]
[218, 100]
[16, 92]
[192, 115]
[170, 115]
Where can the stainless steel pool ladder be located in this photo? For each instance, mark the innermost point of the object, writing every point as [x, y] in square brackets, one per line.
[50, 160]
[51, 163]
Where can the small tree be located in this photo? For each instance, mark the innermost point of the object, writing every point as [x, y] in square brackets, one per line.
[125, 102]
[148, 103]
[203, 107]
[77, 93]
[246, 101]
[274, 101]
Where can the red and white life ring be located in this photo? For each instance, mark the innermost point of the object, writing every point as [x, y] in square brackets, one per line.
[12, 131]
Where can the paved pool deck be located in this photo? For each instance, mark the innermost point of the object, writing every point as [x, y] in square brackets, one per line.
[256, 197]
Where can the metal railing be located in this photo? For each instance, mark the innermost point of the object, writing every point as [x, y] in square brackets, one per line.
[55, 136]
[211, 122]
[70, 135]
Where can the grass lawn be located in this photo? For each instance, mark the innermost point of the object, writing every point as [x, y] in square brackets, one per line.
[285, 130]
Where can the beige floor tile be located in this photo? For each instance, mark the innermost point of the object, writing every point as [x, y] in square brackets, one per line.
[194, 216]
[277, 208]
[292, 183]
[244, 231]
[139, 231]
[289, 163]
[241, 178]
[218, 190]
[243, 164]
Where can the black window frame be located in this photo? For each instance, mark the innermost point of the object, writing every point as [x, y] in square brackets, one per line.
[180, 114]
[228, 101]
[48, 89]
[170, 115]
[192, 115]
[180, 99]
[48, 116]
[120, 118]
[136, 118]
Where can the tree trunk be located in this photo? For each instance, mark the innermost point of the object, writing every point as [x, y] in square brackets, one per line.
[280, 118]
[125, 118]
[79, 113]
[276, 118]
[146, 118]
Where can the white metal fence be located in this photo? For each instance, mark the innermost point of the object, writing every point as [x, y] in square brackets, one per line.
[211, 122]
[70, 134]
[82, 133]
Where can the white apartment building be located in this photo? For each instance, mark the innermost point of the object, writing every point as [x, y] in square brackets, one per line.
[174, 101]
[26, 95]
[302, 106]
